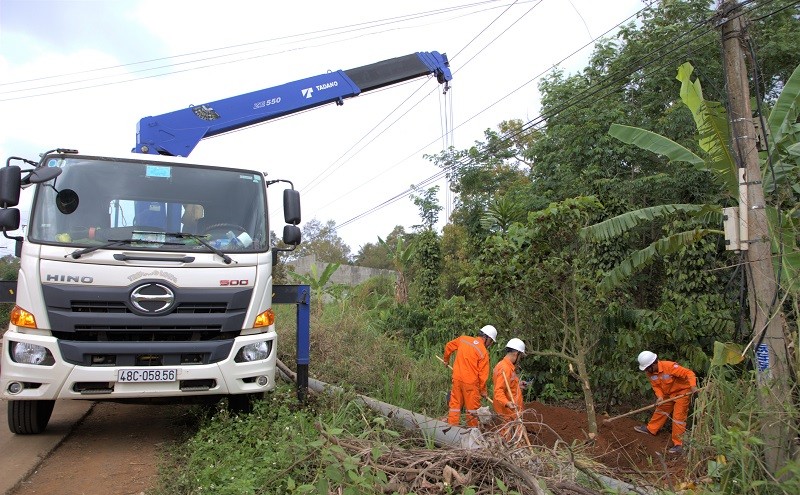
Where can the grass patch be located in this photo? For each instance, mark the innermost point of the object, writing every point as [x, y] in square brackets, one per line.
[279, 448]
[346, 350]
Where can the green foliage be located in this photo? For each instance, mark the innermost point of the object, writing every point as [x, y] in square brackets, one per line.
[456, 262]
[378, 255]
[726, 449]
[321, 240]
[280, 449]
[425, 269]
[357, 348]
[428, 205]
[449, 319]
[319, 283]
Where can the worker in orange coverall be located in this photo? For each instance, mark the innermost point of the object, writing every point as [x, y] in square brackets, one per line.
[508, 390]
[470, 374]
[668, 380]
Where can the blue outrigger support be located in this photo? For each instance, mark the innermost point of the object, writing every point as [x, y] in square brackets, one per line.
[301, 296]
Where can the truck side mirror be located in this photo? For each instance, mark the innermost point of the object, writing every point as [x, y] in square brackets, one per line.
[291, 208]
[9, 219]
[291, 235]
[10, 182]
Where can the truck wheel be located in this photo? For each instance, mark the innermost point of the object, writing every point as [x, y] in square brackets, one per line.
[242, 403]
[29, 417]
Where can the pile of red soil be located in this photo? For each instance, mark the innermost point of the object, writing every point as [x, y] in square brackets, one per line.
[626, 452]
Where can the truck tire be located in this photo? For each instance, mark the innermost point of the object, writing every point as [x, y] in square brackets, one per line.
[242, 403]
[29, 417]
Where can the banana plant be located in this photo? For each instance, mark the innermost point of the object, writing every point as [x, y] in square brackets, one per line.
[400, 255]
[714, 136]
[317, 283]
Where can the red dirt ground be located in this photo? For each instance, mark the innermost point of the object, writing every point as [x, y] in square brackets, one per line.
[627, 453]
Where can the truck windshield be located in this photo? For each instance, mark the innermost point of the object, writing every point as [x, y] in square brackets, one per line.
[166, 206]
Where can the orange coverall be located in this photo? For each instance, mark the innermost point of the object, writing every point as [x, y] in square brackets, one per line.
[501, 397]
[671, 380]
[470, 374]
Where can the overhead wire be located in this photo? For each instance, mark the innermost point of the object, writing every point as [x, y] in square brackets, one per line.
[540, 121]
[321, 177]
[442, 173]
[337, 32]
[421, 149]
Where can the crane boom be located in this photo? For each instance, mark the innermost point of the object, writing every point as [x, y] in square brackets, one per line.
[177, 133]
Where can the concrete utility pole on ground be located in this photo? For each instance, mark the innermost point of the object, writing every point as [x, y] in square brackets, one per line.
[766, 315]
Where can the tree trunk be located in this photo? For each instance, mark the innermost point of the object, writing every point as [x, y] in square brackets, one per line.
[401, 289]
[588, 397]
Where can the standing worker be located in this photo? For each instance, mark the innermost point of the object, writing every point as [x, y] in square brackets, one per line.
[668, 380]
[508, 389]
[470, 374]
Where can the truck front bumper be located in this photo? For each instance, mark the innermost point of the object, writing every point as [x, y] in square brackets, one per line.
[63, 380]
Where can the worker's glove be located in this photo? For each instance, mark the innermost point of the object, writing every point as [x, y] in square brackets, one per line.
[523, 384]
[511, 405]
[445, 364]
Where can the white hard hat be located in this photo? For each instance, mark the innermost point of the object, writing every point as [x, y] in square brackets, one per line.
[516, 344]
[490, 332]
[646, 358]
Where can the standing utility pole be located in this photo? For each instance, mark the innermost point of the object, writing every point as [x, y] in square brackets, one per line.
[766, 316]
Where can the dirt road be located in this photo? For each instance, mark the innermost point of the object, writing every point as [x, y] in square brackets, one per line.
[113, 450]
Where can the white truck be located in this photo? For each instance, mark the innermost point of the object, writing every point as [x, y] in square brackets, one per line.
[148, 277]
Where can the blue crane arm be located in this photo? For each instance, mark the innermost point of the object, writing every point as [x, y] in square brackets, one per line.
[177, 133]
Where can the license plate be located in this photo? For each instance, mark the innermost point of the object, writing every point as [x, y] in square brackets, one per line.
[145, 376]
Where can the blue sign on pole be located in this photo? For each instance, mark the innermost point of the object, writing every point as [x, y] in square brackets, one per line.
[762, 357]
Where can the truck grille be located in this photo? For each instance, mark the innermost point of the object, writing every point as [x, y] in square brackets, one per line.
[120, 307]
[86, 333]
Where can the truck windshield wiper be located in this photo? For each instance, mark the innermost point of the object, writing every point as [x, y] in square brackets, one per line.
[115, 242]
[201, 239]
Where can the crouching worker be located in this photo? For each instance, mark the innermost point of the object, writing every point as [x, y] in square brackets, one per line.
[470, 374]
[508, 391]
[669, 380]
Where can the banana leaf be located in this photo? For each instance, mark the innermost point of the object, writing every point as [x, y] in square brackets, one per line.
[619, 224]
[643, 257]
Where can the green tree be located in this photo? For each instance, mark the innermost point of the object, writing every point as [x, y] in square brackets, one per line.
[377, 255]
[401, 254]
[540, 276]
[428, 205]
[322, 241]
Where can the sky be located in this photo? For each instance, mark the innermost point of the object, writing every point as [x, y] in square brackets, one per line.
[81, 73]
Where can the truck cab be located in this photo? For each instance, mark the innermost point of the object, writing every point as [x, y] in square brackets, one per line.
[139, 278]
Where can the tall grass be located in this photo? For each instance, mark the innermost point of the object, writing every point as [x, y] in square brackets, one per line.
[726, 440]
[347, 350]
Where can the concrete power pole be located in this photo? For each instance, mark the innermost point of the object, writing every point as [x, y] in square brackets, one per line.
[766, 315]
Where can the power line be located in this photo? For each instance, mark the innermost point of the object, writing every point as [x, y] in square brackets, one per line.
[416, 153]
[540, 121]
[319, 178]
[447, 169]
[314, 35]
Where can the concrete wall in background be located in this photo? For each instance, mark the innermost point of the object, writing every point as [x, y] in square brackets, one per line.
[346, 274]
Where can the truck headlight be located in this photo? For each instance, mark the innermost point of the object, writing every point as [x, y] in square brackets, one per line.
[25, 353]
[254, 352]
